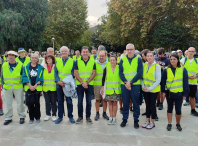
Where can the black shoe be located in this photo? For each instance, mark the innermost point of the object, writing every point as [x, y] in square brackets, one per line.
[105, 116]
[194, 113]
[136, 125]
[79, 120]
[169, 127]
[7, 122]
[144, 114]
[179, 128]
[160, 106]
[156, 118]
[123, 124]
[22, 120]
[89, 120]
[97, 117]
[131, 108]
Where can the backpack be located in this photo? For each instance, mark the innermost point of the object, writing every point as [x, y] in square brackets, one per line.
[186, 60]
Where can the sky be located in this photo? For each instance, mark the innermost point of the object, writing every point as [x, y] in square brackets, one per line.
[96, 8]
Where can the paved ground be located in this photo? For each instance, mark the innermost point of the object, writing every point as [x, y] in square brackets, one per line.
[99, 133]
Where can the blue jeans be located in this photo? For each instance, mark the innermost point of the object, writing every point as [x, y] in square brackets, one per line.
[196, 97]
[88, 94]
[60, 97]
[134, 95]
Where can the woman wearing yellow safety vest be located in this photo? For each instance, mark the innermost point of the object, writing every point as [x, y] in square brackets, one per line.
[113, 88]
[175, 80]
[150, 86]
[49, 88]
[33, 80]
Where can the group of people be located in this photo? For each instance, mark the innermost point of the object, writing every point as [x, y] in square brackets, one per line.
[126, 78]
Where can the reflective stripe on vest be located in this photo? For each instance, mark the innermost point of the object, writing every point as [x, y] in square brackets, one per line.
[85, 71]
[130, 70]
[49, 83]
[64, 71]
[175, 83]
[149, 77]
[12, 79]
[192, 70]
[26, 87]
[99, 74]
[113, 81]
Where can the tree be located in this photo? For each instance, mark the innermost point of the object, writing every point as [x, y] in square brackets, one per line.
[22, 23]
[67, 21]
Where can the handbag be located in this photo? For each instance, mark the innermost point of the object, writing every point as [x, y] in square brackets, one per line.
[104, 94]
[29, 98]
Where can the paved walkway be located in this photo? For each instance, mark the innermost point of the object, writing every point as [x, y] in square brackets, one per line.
[99, 133]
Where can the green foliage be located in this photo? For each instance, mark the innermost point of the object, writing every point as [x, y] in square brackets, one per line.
[67, 21]
[22, 23]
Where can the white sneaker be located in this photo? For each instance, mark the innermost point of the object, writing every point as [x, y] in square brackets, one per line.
[53, 118]
[150, 126]
[47, 118]
[141, 107]
[145, 124]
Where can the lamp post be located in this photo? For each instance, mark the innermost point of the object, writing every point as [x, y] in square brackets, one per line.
[53, 40]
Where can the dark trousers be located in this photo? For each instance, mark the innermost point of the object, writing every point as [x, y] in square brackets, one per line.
[178, 105]
[60, 96]
[134, 95]
[34, 110]
[50, 102]
[141, 95]
[88, 93]
[150, 99]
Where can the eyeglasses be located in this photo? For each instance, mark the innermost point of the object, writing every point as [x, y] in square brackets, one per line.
[129, 49]
[191, 51]
[34, 58]
[63, 51]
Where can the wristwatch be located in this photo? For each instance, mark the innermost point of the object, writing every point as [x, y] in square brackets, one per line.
[87, 83]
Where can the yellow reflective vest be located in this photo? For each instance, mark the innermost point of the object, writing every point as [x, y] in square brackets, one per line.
[49, 83]
[13, 79]
[113, 81]
[27, 60]
[175, 83]
[149, 77]
[130, 70]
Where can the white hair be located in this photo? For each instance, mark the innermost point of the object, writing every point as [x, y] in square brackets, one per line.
[77, 51]
[64, 47]
[130, 45]
[50, 48]
[35, 55]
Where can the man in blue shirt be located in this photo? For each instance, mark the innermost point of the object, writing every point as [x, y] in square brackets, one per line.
[59, 88]
[129, 90]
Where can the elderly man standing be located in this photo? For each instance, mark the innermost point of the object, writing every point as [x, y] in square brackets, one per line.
[63, 68]
[180, 54]
[130, 71]
[11, 79]
[75, 57]
[22, 58]
[191, 64]
[93, 53]
[84, 71]
[101, 63]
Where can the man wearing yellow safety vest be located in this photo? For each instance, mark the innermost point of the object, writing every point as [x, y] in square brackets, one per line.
[130, 71]
[191, 64]
[180, 54]
[101, 63]
[84, 71]
[75, 57]
[11, 78]
[93, 53]
[24, 60]
[63, 68]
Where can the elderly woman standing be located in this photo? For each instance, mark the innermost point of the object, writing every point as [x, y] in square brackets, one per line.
[49, 88]
[33, 80]
[113, 88]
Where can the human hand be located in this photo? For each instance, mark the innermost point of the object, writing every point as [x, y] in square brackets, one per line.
[61, 83]
[84, 84]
